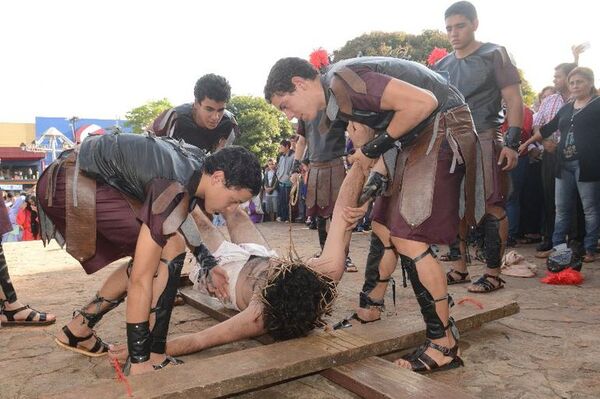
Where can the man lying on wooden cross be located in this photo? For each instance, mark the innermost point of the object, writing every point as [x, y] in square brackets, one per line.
[284, 298]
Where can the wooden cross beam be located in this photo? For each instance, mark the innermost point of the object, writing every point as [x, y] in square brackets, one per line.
[254, 368]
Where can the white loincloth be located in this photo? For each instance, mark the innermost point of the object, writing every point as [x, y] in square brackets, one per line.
[232, 258]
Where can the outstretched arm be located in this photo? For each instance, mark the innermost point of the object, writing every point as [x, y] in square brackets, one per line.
[332, 259]
[211, 236]
[246, 324]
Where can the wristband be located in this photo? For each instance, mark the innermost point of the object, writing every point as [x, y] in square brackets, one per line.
[205, 259]
[512, 138]
[379, 145]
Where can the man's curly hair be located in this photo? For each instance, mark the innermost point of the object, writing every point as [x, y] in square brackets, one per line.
[212, 86]
[295, 300]
[240, 166]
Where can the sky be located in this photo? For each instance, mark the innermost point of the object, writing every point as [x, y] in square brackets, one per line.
[100, 59]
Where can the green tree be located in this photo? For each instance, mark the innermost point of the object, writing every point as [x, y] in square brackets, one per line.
[528, 93]
[394, 44]
[140, 118]
[262, 126]
[408, 46]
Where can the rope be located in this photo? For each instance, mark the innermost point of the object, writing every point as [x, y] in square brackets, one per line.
[294, 194]
[121, 377]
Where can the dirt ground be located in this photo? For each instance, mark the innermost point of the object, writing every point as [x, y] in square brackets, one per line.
[548, 350]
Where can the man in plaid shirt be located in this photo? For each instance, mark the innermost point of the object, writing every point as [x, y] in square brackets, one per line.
[548, 109]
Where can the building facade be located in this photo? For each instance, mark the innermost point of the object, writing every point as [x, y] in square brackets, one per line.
[27, 148]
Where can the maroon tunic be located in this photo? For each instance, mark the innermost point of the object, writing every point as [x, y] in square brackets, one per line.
[363, 88]
[442, 226]
[117, 224]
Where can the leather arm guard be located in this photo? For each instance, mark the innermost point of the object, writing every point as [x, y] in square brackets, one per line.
[205, 259]
[512, 138]
[379, 145]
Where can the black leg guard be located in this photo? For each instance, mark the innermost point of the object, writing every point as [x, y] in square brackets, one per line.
[94, 318]
[164, 305]
[376, 251]
[322, 230]
[138, 341]
[5, 283]
[435, 329]
[493, 245]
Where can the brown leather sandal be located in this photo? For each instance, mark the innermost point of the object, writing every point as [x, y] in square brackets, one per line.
[420, 362]
[100, 348]
[29, 321]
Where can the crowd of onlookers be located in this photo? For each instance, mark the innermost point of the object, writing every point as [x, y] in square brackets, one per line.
[23, 215]
[555, 195]
[274, 204]
[18, 174]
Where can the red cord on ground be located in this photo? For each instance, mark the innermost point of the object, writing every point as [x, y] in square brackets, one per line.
[121, 376]
[473, 301]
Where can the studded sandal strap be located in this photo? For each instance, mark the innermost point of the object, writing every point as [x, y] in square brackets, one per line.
[443, 349]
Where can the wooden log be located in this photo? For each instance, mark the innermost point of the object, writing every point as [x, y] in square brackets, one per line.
[376, 378]
[254, 368]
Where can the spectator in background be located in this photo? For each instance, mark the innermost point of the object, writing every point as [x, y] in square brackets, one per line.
[547, 111]
[270, 184]
[8, 199]
[293, 142]
[253, 209]
[542, 95]
[27, 219]
[15, 234]
[284, 171]
[578, 160]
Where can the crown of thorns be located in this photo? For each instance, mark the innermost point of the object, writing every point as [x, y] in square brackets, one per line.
[282, 266]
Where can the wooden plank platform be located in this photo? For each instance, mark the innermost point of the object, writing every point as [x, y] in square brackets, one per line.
[358, 377]
[261, 366]
[376, 378]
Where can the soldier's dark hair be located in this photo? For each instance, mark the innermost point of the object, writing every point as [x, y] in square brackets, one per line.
[463, 8]
[212, 86]
[281, 74]
[240, 166]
